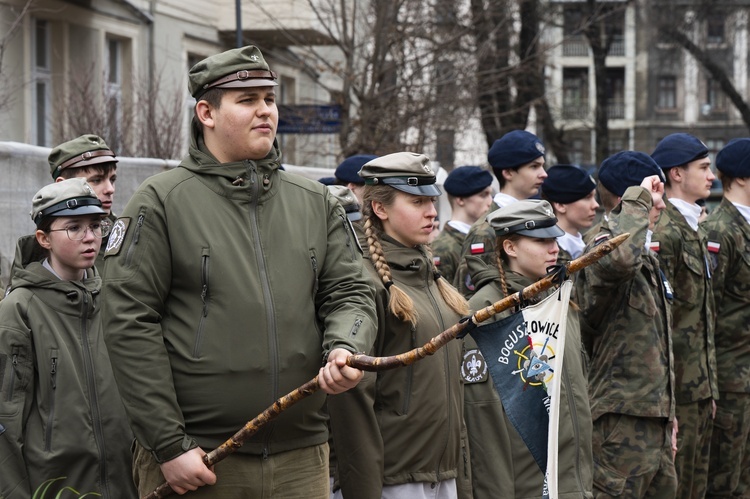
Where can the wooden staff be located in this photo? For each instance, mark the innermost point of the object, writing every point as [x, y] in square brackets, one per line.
[367, 363]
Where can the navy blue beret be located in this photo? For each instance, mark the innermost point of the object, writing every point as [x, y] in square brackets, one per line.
[327, 180]
[567, 184]
[466, 181]
[625, 169]
[348, 170]
[678, 149]
[515, 149]
[734, 158]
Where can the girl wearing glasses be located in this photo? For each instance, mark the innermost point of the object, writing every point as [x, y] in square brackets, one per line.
[61, 417]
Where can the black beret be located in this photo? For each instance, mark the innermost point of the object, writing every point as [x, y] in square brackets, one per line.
[466, 181]
[734, 158]
[625, 169]
[567, 184]
[515, 149]
[678, 149]
[348, 170]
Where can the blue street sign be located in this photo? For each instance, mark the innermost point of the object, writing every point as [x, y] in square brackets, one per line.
[309, 118]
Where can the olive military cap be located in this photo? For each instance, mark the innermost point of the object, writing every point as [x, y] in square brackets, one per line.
[236, 68]
[71, 197]
[530, 217]
[348, 200]
[86, 150]
[406, 171]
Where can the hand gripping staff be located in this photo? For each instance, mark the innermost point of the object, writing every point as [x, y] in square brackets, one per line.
[367, 363]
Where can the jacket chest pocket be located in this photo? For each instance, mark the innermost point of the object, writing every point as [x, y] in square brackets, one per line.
[689, 284]
[641, 294]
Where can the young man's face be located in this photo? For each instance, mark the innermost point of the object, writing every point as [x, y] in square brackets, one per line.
[102, 180]
[477, 205]
[244, 126]
[68, 256]
[525, 181]
[697, 179]
[580, 214]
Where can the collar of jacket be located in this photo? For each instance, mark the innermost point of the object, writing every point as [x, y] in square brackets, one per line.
[233, 180]
[735, 214]
[28, 272]
[408, 265]
[672, 216]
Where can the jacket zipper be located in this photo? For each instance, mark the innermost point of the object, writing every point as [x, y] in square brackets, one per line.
[314, 263]
[205, 261]
[574, 418]
[355, 327]
[446, 357]
[12, 382]
[91, 385]
[409, 375]
[265, 284]
[347, 230]
[51, 416]
[136, 236]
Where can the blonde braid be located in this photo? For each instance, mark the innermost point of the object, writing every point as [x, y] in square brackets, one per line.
[399, 303]
[499, 264]
[450, 295]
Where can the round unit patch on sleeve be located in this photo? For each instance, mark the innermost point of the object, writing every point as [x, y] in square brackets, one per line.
[117, 236]
[473, 367]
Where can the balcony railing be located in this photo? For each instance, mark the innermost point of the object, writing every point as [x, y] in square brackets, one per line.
[615, 110]
[578, 111]
[578, 46]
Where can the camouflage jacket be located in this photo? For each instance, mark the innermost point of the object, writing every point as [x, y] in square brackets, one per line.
[446, 251]
[623, 300]
[729, 244]
[479, 244]
[683, 257]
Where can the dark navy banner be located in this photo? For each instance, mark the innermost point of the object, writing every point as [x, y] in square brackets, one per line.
[524, 354]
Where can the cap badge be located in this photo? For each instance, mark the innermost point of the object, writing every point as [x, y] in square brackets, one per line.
[254, 58]
[539, 147]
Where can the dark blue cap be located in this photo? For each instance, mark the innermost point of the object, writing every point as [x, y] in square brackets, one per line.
[625, 169]
[466, 181]
[734, 158]
[515, 149]
[567, 184]
[348, 170]
[327, 180]
[678, 149]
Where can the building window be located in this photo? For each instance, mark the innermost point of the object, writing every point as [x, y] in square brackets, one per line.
[667, 94]
[113, 92]
[42, 87]
[576, 152]
[575, 93]
[715, 98]
[715, 29]
[615, 93]
[574, 41]
[615, 28]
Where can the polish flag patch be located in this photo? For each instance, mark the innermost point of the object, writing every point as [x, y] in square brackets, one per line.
[654, 246]
[477, 248]
[436, 261]
[713, 247]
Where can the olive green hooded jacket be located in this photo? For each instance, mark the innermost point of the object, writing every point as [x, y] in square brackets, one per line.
[408, 420]
[60, 411]
[227, 285]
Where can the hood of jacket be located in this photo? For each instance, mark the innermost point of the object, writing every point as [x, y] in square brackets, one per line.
[28, 272]
[201, 161]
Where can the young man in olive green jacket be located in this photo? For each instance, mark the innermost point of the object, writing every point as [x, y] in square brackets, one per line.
[229, 284]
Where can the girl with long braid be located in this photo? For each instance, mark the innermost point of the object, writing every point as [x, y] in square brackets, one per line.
[501, 465]
[415, 412]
